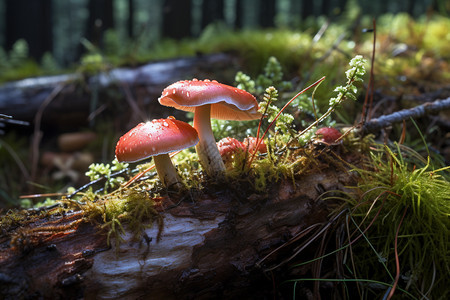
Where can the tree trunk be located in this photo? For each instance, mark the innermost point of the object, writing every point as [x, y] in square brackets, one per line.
[130, 20]
[212, 11]
[239, 14]
[100, 19]
[217, 244]
[19, 15]
[267, 12]
[177, 20]
[307, 9]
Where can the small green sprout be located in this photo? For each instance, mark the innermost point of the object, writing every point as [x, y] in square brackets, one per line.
[355, 73]
[283, 123]
[273, 76]
[244, 82]
[265, 107]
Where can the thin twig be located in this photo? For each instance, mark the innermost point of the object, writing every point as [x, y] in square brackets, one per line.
[91, 183]
[367, 107]
[37, 134]
[132, 102]
[405, 114]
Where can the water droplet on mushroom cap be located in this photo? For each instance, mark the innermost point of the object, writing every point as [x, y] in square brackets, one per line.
[155, 137]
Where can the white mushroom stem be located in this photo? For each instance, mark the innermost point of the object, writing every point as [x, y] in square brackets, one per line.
[166, 171]
[206, 148]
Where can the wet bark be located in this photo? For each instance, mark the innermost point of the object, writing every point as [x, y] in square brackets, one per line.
[216, 244]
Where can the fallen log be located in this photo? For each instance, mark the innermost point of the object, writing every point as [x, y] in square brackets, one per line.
[80, 95]
[219, 243]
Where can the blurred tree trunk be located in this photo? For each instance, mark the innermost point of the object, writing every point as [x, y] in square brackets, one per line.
[341, 4]
[130, 21]
[212, 11]
[239, 14]
[307, 9]
[177, 18]
[32, 21]
[267, 12]
[326, 8]
[101, 18]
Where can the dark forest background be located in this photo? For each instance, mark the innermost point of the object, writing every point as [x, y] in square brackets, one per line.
[58, 27]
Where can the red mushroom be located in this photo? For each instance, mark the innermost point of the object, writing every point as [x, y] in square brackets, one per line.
[328, 135]
[210, 99]
[157, 138]
[228, 146]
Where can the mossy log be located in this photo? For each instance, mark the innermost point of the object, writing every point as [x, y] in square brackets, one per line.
[216, 243]
[79, 95]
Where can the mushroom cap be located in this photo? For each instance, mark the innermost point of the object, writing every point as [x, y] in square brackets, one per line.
[228, 146]
[227, 102]
[328, 135]
[155, 137]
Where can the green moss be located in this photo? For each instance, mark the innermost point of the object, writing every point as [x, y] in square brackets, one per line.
[134, 207]
[390, 186]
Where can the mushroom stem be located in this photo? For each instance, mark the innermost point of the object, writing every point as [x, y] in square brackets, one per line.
[206, 148]
[166, 171]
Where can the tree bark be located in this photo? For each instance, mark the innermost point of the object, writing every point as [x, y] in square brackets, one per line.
[215, 245]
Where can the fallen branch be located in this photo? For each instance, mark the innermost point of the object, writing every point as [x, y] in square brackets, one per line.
[399, 116]
[73, 104]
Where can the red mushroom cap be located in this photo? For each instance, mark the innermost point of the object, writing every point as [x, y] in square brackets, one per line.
[228, 146]
[155, 137]
[227, 102]
[328, 135]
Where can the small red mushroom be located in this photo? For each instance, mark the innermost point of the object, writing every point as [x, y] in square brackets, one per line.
[328, 135]
[228, 146]
[157, 138]
[210, 99]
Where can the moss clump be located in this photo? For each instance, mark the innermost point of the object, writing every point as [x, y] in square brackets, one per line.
[390, 187]
[134, 206]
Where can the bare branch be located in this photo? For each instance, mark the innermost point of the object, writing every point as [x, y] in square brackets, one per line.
[415, 112]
